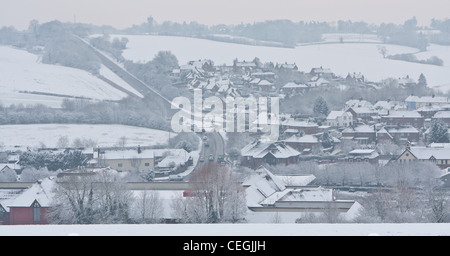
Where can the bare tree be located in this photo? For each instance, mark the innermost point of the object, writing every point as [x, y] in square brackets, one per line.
[91, 197]
[217, 196]
[148, 206]
[63, 142]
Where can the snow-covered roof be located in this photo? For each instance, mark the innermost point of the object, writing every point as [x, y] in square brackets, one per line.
[298, 123]
[389, 105]
[404, 114]
[426, 153]
[358, 104]
[260, 185]
[335, 114]
[303, 139]
[41, 192]
[264, 82]
[364, 110]
[363, 153]
[359, 129]
[398, 129]
[259, 149]
[294, 85]
[427, 99]
[442, 114]
[294, 180]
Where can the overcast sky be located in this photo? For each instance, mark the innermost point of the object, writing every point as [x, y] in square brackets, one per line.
[124, 13]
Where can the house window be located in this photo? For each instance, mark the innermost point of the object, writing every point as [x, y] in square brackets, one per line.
[120, 165]
[36, 214]
[147, 164]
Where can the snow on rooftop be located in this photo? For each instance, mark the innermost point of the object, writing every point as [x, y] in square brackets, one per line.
[427, 99]
[404, 114]
[335, 114]
[359, 129]
[294, 180]
[41, 191]
[258, 149]
[303, 139]
[442, 114]
[427, 152]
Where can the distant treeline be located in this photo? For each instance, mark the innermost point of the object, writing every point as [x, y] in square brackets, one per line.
[133, 112]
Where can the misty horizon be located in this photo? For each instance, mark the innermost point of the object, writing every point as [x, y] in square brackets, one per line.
[121, 14]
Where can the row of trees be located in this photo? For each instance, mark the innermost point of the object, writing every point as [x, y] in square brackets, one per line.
[103, 197]
[128, 111]
[290, 33]
[402, 192]
[53, 162]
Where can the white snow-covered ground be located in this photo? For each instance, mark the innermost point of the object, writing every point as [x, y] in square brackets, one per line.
[23, 71]
[341, 58]
[427, 229]
[104, 135]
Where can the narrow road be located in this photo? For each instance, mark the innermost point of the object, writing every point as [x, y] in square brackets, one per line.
[215, 148]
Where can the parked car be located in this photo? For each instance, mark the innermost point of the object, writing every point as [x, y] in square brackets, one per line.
[211, 157]
[201, 159]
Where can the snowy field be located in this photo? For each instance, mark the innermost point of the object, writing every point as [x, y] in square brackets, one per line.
[230, 230]
[103, 135]
[23, 71]
[342, 59]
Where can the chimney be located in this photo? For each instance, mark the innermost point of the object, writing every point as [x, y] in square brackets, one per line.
[139, 149]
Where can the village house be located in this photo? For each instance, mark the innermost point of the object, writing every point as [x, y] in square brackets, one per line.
[302, 126]
[268, 194]
[383, 107]
[356, 78]
[412, 118]
[293, 88]
[437, 155]
[318, 82]
[363, 155]
[415, 102]
[244, 66]
[321, 72]
[287, 66]
[428, 112]
[406, 81]
[142, 159]
[258, 153]
[303, 144]
[360, 103]
[339, 119]
[363, 134]
[362, 114]
[30, 207]
[443, 116]
[398, 134]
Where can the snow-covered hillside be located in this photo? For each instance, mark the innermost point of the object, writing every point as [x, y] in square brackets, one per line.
[103, 135]
[21, 71]
[341, 58]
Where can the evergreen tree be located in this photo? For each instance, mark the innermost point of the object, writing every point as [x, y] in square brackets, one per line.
[439, 133]
[422, 80]
[327, 140]
[320, 107]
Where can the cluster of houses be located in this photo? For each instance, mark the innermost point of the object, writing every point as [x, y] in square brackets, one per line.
[363, 125]
[246, 78]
